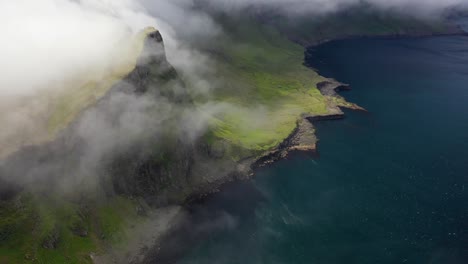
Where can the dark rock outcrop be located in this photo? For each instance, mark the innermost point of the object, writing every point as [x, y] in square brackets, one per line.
[158, 164]
[43, 166]
[331, 88]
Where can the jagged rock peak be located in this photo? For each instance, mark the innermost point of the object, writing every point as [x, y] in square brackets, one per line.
[155, 35]
[152, 33]
[153, 46]
[153, 69]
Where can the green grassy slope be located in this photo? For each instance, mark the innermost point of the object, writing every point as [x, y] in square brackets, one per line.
[49, 229]
[265, 79]
[267, 89]
[45, 229]
[267, 85]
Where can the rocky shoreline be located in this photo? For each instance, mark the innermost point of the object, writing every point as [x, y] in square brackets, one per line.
[302, 139]
[144, 245]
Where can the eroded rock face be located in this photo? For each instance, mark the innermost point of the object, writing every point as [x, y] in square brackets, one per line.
[128, 143]
[153, 69]
[64, 159]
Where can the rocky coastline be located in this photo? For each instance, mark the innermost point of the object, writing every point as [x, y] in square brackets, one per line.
[302, 139]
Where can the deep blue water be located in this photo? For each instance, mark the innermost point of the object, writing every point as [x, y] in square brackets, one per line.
[389, 186]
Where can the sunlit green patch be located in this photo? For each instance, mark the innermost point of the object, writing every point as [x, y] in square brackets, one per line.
[268, 86]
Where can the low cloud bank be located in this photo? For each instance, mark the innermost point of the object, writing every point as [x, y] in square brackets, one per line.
[45, 42]
[48, 44]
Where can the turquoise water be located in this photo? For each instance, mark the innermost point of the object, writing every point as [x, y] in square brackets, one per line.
[388, 186]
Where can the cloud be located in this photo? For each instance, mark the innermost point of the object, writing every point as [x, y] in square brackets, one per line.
[52, 40]
[323, 6]
[48, 44]
[44, 42]
[49, 47]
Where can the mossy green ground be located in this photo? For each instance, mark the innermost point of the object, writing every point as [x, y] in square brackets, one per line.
[267, 85]
[31, 221]
[28, 222]
[266, 80]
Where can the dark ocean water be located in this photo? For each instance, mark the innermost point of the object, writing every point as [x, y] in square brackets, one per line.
[389, 186]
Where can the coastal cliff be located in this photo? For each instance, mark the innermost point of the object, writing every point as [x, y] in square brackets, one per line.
[151, 169]
[107, 172]
[60, 200]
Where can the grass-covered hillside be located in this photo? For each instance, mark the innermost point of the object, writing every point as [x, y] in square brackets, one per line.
[268, 89]
[262, 81]
[43, 224]
[50, 229]
[267, 84]
[261, 60]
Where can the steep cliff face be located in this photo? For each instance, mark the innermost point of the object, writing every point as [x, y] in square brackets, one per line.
[61, 200]
[153, 70]
[159, 159]
[165, 167]
[131, 148]
[129, 143]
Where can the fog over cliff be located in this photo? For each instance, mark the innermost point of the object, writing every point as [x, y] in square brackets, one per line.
[48, 44]
[52, 40]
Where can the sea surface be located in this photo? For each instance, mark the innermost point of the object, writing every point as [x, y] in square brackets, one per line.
[387, 186]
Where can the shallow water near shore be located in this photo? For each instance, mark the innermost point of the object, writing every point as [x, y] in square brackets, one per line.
[388, 186]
